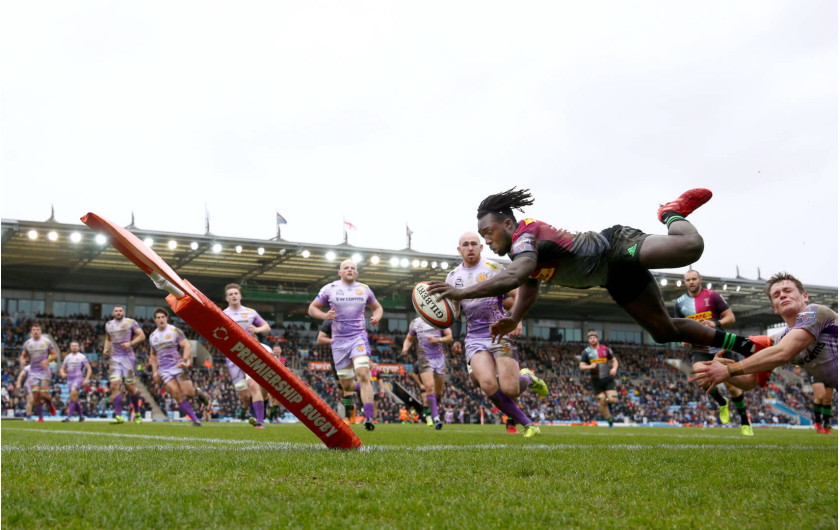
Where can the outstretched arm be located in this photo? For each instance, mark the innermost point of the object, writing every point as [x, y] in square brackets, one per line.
[510, 278]
[526, 296]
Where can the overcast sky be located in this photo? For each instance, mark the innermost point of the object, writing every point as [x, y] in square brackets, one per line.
[387, 113]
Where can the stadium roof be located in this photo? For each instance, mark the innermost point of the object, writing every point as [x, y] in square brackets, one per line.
[278, 271]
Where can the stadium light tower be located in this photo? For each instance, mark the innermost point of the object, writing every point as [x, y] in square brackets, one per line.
[149, 242]
[33, 234]
[75, 237]
[394, 261]
[52, 236]
[305, 254]
[217, 247]
[194, 245]
[172, 245]
[330, 255]
[374, 260]
[100, 239]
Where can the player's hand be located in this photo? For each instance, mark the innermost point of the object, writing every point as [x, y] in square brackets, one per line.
[374, 321]
[518, 331]
[183, 365]
[433, 340]
[126, 345]
[252, 329]
[502, 327]
[156, 377]
[613, 372]
[45, 363]
[17, 387]
[86, 382]
[710, 374]
[444, 290]
[457, 349]
[708, 323]
[331, 314]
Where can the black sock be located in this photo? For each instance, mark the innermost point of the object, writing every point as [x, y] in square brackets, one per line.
[817, 413]
[348, 405]
[670, 217]
[732, 342]
[741, 407]
[826, 412]
[511, 421]
[716, 395]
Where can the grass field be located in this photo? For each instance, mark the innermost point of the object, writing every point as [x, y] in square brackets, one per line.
[162, 475]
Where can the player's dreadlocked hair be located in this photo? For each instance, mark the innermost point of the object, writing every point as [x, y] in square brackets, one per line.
[502, 204]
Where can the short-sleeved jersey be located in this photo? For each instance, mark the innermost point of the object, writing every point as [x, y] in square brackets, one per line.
[577, 260]
[120, 331]
[479, 312]
[602, 356]
[423, 332]
[244, 316]
[349, 302]
[707, 304]
[165, 343]
[820, 357]
[74, 364]
[38, 351]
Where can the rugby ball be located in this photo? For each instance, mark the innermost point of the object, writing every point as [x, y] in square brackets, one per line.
[436, 313]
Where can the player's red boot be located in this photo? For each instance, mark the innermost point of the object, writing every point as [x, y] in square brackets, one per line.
[826, 430]
[686, 203]
[820, 429]
[511, 429]
[52, 410]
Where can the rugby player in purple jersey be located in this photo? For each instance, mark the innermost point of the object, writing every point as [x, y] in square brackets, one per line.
[618, 258]
[23, 382]
[809, 340]
[710, 309]
[430, 364]
[494, 366]
[39, 352]
[76, 369]
[251, 321]
[347, 299]
[169, 364]
[121, 335]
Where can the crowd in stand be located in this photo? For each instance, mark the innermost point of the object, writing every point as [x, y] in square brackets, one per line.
[650, 389]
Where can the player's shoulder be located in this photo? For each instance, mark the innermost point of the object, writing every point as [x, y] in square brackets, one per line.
[173, 329]
[364, 286]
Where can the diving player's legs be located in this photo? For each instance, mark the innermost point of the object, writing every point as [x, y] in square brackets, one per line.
[648, 310]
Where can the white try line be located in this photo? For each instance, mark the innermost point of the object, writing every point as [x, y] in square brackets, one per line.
[188, 443]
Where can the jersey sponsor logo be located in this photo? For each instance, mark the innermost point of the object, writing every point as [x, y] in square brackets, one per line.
[632, 250]
[492, 266]
[705, 315]
[359, 291]
[599, 360]
[481, 277]
[818, 348]
[544, 274]
[806, 317]
[524, 243]
[708, 301]
[360, 347]
[528, 221]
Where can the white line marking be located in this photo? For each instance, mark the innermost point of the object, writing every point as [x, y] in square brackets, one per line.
[252, 445]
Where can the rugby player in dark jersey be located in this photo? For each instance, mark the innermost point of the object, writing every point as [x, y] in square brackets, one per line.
[618, 258]
[710, 309]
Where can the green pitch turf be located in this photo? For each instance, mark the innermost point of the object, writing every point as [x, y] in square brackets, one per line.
[157, 475]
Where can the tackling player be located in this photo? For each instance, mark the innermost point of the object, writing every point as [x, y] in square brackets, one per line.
[121, 335]
[76, 369]
[347, 299]
[809, 340]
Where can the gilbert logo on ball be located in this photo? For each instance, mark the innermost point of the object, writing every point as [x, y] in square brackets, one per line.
[436, 313]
